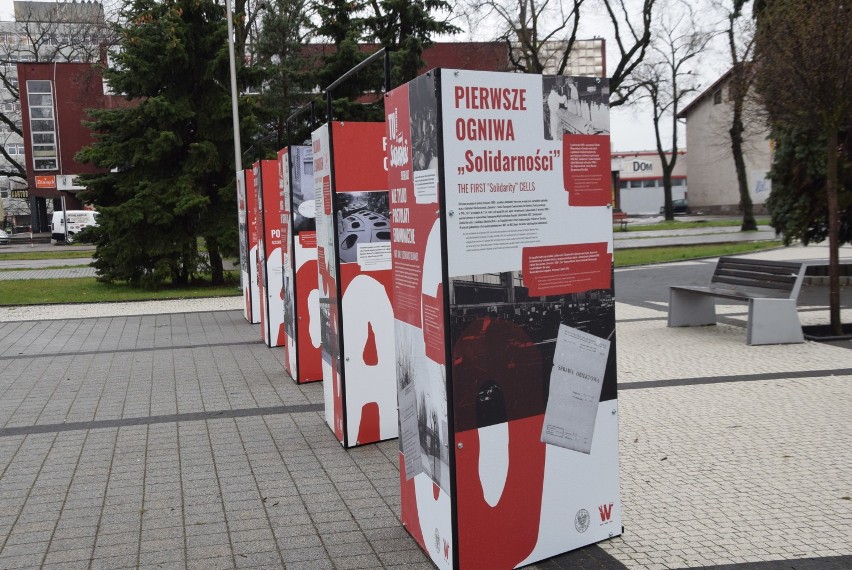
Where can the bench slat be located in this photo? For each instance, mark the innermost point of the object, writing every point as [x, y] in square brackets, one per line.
[731, 294]
[792, 265]
[771, 278]
[757, 274]
[783, 284]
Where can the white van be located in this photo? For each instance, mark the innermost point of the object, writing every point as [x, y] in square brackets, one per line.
[77, 220]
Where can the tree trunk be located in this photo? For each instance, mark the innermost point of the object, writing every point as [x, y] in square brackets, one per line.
[833, 233]
[736, 132]
[667, 191]
[217, 272]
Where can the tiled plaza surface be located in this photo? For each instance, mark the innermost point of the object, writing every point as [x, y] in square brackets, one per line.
[176, 440]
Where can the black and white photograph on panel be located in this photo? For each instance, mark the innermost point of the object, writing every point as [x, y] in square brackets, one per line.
[289, 306]
[302, 173]
[329, 331]
[244, 249]
[423, 105]
[504, 341]
[362, 218]
[422, 401]
[574, 105]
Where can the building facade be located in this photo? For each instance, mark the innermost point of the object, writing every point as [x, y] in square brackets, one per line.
[41, 33]
[713, 184]
[638, 181]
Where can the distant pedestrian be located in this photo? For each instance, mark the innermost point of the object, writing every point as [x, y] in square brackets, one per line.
[554, 100]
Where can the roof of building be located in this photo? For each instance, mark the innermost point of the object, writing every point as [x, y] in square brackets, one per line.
[704, 94]
[476, 56]
[85, 11]
[626, 153]
[480, 56]
[483, 56]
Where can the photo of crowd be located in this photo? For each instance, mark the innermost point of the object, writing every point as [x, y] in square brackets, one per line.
[575, 105]
[504, 341]
[424, 123]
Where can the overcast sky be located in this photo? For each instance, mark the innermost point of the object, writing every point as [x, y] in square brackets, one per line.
[631, 126]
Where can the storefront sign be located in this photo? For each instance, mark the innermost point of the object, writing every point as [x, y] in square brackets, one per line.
[45, 181]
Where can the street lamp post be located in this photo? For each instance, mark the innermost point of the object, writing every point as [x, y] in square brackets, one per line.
[238, 156]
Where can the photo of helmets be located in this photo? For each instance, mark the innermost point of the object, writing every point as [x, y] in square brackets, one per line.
[361, 226]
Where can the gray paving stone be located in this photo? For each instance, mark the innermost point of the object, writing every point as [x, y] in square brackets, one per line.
[210, 563]
[68, 556]
[162, 557]
[326, 507]
[30, 560]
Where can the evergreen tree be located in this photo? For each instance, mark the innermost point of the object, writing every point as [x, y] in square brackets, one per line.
[286, 80]
[812, 101]
[406, 27]
[342, 23]
[798, 203]
[169, 152]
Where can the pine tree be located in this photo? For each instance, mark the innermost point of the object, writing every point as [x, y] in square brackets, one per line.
[169, 152]
[342, 23]
[287, 81]
[406, 27]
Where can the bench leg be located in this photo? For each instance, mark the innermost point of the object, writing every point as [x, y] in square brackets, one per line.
[687, 309]
[773, 321]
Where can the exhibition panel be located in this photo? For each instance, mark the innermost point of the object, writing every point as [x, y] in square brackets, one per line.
[248, 222]
[504, 312]
[301, 330]
[353, 252]
[271, 232]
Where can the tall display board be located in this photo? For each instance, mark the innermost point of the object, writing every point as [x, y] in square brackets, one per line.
[247, 218]
[353, 251]
[503, 304]
[271, 233]
[303, 358]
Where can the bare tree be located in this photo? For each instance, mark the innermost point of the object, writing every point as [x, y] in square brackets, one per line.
[739, 35]
[632, 35]
[805, 78]
[538, 34]
[665, 79]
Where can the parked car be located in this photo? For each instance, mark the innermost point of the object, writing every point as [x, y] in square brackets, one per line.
[4, 237]
[679, 206]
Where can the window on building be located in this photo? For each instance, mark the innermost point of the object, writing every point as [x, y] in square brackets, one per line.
[635, 183]
[649, 184]
[623, 183]
[717, 96]
[14, 149]
[42, 124]
[678, 182]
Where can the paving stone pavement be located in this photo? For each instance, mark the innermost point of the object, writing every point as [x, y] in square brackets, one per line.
[64, 273]
[177, 441]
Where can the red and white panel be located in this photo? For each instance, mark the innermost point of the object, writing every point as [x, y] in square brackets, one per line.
[353, 237]
[242, 221]
[300, 329]
[418, 300]
[251, 290]
[532, 329]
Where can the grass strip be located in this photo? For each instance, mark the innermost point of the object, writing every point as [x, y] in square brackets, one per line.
[680, 225]
[648, 255]
[89, 290]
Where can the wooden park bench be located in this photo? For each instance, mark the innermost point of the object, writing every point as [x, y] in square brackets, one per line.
[620, 217]
[769, 287]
